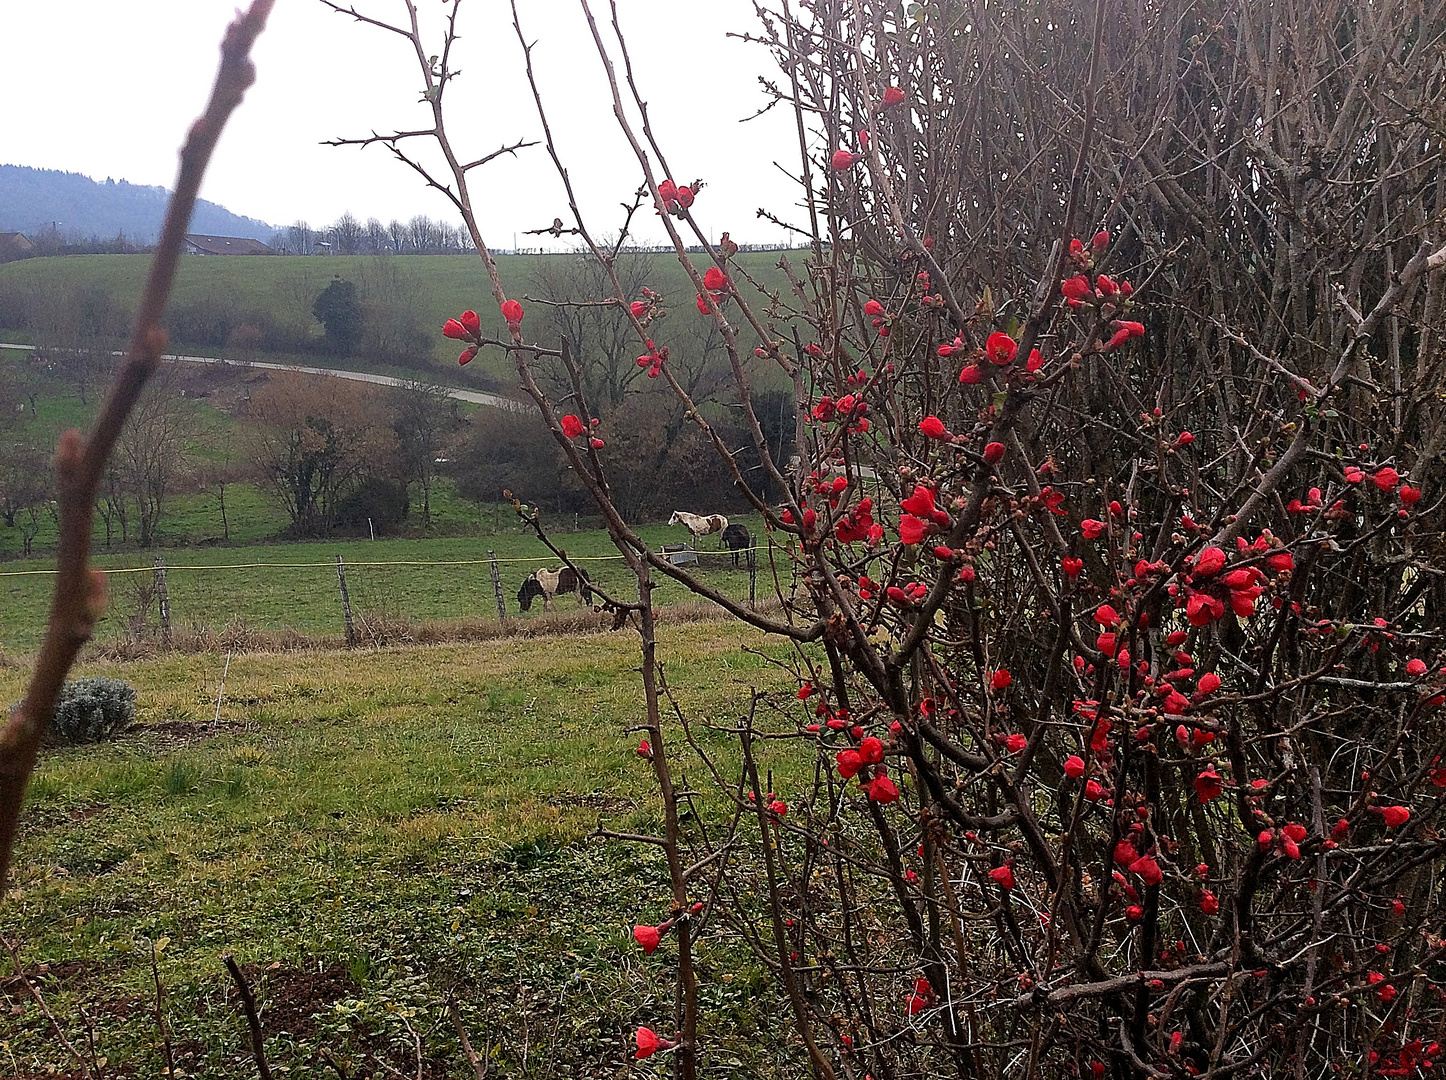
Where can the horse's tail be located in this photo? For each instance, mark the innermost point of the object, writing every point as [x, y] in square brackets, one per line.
[582, 581]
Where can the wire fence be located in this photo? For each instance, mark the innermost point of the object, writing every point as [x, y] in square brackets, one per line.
[362, 600]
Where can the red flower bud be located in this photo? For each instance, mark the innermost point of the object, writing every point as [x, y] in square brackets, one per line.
[453, 329]
[648, 937]
[842, 160]
[572, 427]
[512, 312]
[892, 96]
[472, 323]
[1004, 875]
[994, 453]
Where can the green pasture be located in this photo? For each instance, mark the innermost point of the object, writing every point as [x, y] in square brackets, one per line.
[371, 833]
[294, 586]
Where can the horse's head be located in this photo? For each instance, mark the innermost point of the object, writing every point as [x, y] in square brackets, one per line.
[530, 591]
[677, 517]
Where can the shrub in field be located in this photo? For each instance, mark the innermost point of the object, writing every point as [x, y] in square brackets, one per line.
[91, 710]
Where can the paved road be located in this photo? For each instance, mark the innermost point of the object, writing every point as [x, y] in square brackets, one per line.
[476, 397]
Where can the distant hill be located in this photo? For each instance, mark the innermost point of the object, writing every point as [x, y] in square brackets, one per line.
[33, 198]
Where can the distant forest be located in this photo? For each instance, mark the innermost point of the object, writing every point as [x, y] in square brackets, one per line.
[74, 209]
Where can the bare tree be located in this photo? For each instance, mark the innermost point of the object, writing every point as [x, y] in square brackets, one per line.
[315, 438]
[346, 235]
[425, 418]
[397, 236]
[300, 238]
[151, 452]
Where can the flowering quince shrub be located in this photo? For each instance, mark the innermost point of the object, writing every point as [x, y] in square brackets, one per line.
[1117, 532]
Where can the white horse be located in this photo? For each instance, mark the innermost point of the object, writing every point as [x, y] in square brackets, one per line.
[700, 525]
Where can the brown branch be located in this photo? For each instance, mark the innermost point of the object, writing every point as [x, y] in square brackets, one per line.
[253, 1022]
[79, 597]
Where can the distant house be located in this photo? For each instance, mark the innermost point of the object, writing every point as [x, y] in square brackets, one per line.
[14, 245]
[197, 244]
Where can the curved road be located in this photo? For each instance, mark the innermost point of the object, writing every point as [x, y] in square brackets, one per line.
[476, 397]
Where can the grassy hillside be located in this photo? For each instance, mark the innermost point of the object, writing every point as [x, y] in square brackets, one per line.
[286, 285]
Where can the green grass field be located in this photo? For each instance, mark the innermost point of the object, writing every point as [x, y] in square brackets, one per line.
[286, 286]
[370, 833]
[294, 586]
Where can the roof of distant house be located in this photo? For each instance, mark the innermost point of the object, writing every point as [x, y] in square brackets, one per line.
[225, 245]
[14, 245]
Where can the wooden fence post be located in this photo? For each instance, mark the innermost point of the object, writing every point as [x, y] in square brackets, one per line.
[345, 604]
[163, 601]
[752, 577]
[497, 586]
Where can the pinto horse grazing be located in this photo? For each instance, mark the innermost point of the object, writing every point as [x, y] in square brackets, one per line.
[736, 539]
[549, 583]
[700, 525]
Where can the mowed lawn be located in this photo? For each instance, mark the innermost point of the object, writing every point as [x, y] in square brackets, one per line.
[369, 833]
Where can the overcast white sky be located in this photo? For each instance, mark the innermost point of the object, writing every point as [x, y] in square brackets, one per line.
[107, 87]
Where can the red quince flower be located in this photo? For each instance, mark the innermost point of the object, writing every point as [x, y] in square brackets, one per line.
[849, 763]
[1071, 566]
[1209, 562]
[921, 502]
[871, 750]
[1074, 766]
[911, 529]
[1415, 668]
[892, 96]
[638, 309]
[882, 790]
[1016, 743]
[1208, 785]
[971, 376]
[1409, 496]
[648, 937]
[1092, 528]
[453, 329]
[714, 279]
[1386, 478]
[649, 1043]
[1393, 816]
[512, 312]
[1000, 348]
[1004, 875]
[685, 196]
[572, 427]
[933, 427]
[472, 323]
[645, 750]
[1001, 679]
[994, 453]
[1147, 869]
[1209, 903]
[1209, 683]
[467, 355]
[842, 160]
